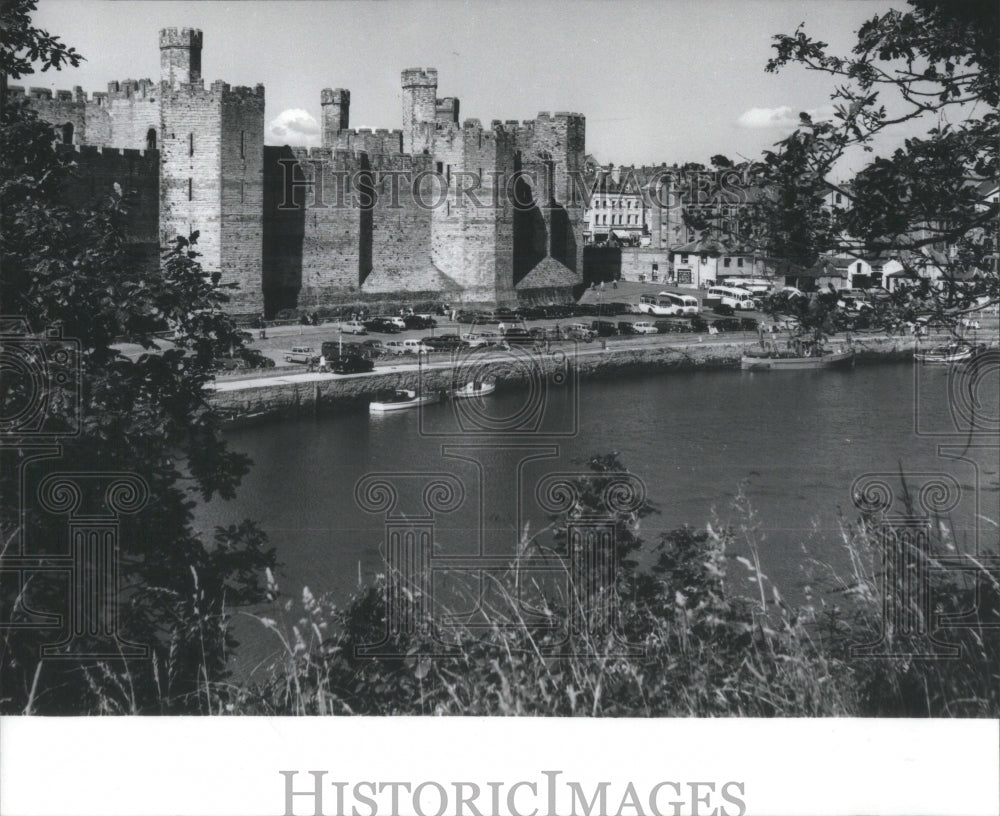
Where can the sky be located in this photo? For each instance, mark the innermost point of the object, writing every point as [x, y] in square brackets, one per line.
[657, 81]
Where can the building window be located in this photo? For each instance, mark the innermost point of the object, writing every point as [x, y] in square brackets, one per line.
[243, 191]
[739, 262]
[67, 133]
[839, 198]
[243, 144]
[190, 190]
[684, 258]
[190, 144]
[440, 168]
[726, 262]
[151, 139]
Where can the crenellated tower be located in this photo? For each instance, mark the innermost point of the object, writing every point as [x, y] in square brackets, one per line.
[419, 109]
[212, 167]
[180, 56]
[336, 104]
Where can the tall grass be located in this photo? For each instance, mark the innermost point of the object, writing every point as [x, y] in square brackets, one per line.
[697, 644]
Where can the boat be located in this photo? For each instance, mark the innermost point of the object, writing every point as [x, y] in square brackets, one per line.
[474, 389]
[803, 356]
[945, 355]
[401, 399]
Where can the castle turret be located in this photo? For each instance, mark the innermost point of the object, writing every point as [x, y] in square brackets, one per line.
[336, 104]
[419, 109]
[180, 56]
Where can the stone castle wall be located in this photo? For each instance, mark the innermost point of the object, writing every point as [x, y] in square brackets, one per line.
[391, 216]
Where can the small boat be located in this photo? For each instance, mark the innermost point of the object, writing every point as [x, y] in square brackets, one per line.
[789, 361]
[474, 389]
[401, 399]
[945, 355]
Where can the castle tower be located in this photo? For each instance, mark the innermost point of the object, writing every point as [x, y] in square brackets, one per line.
[180, 56]
[419, 109]
[336, 104]
[212, 168]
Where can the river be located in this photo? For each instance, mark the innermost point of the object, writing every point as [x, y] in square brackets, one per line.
[793, 442]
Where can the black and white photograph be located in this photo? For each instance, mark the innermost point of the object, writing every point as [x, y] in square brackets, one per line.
[383, 367]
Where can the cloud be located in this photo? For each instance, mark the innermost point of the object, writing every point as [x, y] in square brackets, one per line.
[783, 117]
[293, 127]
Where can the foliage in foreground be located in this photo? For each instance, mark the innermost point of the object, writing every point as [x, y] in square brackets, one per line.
[72, 268]
[705, 649]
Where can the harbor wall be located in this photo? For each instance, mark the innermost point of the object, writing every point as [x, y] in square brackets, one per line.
[304, 395]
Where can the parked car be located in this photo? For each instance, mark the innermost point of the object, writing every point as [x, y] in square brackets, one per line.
[727, 324]
[254, 358]
[398, 322]
[300, 354]
[381, 325]
[644, 327]
[352, 327]
[444, 342]
[724, 309]
[467, 316]
[351, 364]
[419, 322]
[412, 346]
[620, 308]
[373, 348]
[626, 327]
[475, 339]
[579, 331]
[604, 328]
[520, 335]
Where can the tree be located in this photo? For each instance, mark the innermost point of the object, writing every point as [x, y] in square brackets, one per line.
[146, 414]
[926, 204]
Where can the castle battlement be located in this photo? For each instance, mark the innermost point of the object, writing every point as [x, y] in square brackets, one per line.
[129, 88]
[181, 38]
[334, 96]
[419, 77]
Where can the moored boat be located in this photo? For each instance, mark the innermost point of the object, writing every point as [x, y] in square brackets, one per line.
[474, 389]
[791, 361]
[945, 355]
[399, 400]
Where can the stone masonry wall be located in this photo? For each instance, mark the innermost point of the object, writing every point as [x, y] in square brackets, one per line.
[242, 207]
[190, 180]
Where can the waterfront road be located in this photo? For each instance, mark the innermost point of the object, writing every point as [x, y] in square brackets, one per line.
[667, 342]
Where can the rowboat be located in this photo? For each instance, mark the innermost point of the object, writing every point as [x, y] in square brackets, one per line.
[400, 400]
[786, 361]
[945, 355]
[474, 389]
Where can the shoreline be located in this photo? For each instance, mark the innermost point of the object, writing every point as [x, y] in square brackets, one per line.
[287, 396]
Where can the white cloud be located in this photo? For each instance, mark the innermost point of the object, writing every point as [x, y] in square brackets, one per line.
[783, 117]
[294, 127]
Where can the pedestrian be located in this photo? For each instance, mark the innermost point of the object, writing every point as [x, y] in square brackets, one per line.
[322, 362]
[501, 328]
[614, 283]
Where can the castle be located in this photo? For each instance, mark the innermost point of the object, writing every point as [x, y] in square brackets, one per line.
[443, 207]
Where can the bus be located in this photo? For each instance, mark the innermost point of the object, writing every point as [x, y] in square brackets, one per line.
[755, 286]
[729, 296]
[667, 304]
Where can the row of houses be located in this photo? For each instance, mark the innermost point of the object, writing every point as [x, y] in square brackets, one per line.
[627, 211]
